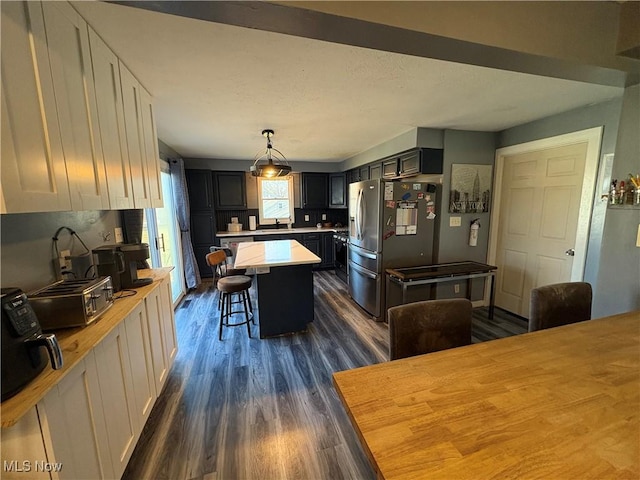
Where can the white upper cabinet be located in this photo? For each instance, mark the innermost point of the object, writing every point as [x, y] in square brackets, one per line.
[151, 150]
[70, 57]
[33, 175]
[131, 92]
[106, 73]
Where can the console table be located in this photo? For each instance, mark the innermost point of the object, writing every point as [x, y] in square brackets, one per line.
[444, 272]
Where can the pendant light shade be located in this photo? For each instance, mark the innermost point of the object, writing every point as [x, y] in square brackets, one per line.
[272, 163]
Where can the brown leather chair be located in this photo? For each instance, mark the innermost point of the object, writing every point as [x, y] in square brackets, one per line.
[559, 304]
[429, 326]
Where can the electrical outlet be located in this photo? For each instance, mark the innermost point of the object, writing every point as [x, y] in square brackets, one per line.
[324, 216]
[65, 261]
[455, 221]
[118, 235]
[456, 288]
[306, 218]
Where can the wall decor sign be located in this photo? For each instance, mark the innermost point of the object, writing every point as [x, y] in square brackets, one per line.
[470, 188]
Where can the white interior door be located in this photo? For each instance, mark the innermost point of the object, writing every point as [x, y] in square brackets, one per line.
[541, 224]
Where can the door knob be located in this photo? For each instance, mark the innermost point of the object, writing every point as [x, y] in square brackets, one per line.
[570, 253]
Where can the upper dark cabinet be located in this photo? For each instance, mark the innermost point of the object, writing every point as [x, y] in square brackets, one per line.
[364, 173]
[390, 168]
[230, 190]
[337, 190]
[423, 160]
[375, 171]
[314, 190]
[199, 186]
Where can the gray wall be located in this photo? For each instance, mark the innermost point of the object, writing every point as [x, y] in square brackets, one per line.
[463, 147]
[416, 137]
[605, 114]
[618, 280]
[27, 249]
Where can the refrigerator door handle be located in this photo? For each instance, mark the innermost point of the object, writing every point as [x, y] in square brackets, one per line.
[363, 271]
[357, 212]
[361, 211]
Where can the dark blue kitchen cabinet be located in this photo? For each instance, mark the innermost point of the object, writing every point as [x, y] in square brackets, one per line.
[230, 190]
[337, 190]
[315, 190]
[202, 212]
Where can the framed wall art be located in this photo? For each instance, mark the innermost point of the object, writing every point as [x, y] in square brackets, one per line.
[470, 188]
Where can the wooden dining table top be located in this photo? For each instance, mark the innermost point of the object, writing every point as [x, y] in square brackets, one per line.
[562, 403]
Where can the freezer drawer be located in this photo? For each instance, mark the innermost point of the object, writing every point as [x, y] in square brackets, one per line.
[365, 287]
[365, 258]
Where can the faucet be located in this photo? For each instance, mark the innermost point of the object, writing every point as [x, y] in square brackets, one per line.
[277, 224]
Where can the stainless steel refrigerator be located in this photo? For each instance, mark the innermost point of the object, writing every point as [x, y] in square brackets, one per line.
[391, 225]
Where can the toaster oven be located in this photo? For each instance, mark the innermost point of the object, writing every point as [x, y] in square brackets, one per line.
[72, 303]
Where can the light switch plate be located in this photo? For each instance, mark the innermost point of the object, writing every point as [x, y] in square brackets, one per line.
[455, 221]
[324, 216]
[118, 235]
[306, 218]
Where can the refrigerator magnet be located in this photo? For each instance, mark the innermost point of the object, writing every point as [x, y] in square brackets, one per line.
[406, 196]
[417, 186]
[420, 196]
[431, 216]
[389, 234]
[391, 204]
[388, 191]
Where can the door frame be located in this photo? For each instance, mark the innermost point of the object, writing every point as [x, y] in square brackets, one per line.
[593, 137]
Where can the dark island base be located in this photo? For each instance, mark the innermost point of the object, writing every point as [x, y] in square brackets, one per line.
[285, 300]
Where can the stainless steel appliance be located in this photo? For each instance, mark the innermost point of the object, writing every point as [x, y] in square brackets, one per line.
[120, 262]
[391, 225]
[22, 338]
[341, 254]
[72, 303]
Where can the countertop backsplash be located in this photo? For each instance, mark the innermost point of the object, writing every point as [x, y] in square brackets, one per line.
[334, 216]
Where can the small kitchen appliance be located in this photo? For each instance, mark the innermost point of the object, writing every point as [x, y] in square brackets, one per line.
[120, 261]
[72, 303]
[22, 337]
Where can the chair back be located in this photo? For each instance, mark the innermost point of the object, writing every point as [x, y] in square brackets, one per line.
[559, 304]
[214, 259]
[429, 326]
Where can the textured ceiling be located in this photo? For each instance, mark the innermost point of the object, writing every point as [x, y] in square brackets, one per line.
[216, 86]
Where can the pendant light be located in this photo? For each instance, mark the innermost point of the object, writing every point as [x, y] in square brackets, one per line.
[272, 163]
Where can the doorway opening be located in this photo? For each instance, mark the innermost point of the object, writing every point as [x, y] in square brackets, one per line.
[161, 231]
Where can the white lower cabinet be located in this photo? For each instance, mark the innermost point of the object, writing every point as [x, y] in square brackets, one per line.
[73, 423]
[168, 322]
[87, 426]
[155, 319]
[144, 389]
[23, 450]
[116, 387]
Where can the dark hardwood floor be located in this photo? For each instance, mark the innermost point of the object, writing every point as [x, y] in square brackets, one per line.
[266, 409]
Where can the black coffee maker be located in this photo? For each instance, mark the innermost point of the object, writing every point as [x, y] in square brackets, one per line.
[22, 337]
[120, 262]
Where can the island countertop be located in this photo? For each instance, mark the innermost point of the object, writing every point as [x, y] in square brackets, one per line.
[274, 253]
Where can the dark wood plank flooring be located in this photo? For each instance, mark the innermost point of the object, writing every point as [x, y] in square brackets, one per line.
[266, 409]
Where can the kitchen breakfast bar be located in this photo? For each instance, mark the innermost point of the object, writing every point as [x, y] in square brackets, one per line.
[284, 280]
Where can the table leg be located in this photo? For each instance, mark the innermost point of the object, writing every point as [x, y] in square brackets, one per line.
[492, 295]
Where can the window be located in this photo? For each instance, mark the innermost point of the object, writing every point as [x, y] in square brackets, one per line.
[276, 200]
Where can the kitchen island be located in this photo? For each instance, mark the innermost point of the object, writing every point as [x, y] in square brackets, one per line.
[284, 281]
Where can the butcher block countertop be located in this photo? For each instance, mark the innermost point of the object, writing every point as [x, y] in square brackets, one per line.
[559, 403]
[76, 343]
[274, 253]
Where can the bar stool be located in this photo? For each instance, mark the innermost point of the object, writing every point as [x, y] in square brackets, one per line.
[228, 286]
